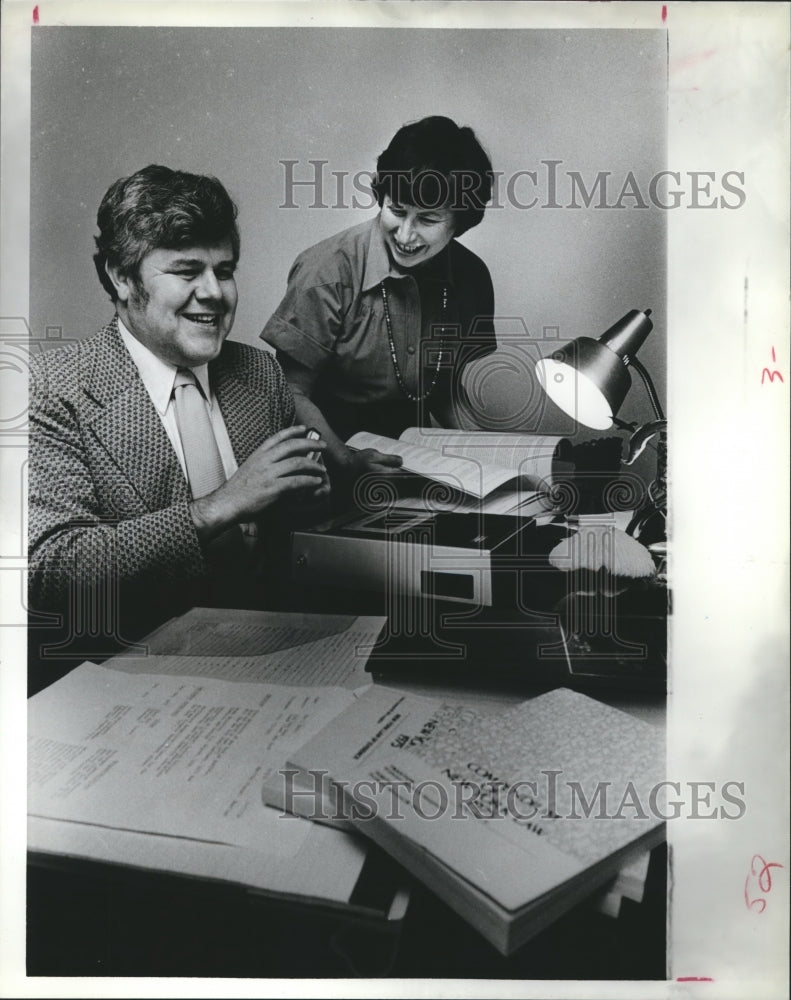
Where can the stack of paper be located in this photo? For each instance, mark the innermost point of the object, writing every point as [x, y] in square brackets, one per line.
[159, 762]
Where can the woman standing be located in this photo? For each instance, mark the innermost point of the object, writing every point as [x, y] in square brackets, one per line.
[378, 322]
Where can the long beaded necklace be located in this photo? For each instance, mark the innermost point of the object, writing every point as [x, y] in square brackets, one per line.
[414, 398]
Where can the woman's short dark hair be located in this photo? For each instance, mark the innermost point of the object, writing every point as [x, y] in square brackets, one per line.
[433, 163]
[160, 207]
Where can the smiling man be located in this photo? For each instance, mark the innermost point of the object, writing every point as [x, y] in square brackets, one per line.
[157, 448]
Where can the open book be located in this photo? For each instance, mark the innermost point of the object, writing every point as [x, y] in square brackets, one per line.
[157, 762]
[512, 818]
[476, 463]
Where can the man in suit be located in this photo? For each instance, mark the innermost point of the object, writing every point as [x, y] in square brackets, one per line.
[158, 451]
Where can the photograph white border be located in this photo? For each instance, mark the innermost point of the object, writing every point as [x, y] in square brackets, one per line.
[727, 312]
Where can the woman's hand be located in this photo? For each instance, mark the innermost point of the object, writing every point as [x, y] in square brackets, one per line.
[351, 466]
[369, 460]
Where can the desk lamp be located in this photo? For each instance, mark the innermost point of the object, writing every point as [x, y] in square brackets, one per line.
[589, 380]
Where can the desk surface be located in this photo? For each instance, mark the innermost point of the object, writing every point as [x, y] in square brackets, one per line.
[95, 919]
[102, 920]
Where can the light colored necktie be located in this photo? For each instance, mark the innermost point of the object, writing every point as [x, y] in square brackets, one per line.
[202, 458]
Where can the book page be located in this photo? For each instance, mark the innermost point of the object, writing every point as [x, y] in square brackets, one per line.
[505, 500]
[176, 755]
[629, 884]
[529, 455]
[459, 473]
[279, 648]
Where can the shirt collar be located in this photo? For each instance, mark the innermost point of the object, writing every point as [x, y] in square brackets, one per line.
[157, 375]
[379, 266]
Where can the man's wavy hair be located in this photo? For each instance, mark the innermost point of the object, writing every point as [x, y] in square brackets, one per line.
[434, 163]
[159, 207]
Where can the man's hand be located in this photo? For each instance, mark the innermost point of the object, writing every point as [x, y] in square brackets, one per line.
[279, 468]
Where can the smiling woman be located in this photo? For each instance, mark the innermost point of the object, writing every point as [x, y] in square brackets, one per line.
[378, 322]
[414, 235]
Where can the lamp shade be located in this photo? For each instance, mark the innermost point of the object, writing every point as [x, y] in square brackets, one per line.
[589, 379]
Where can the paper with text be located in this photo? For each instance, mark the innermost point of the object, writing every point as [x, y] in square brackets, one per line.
[169, 754]
[272, 647]
[459, 473]
[530, 455]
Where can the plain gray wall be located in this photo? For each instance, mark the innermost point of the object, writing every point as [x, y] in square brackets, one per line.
[235, 102]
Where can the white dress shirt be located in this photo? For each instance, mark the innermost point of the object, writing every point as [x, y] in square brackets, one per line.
[158, 377]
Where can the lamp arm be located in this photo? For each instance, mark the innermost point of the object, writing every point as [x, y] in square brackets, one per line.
[649, 385]
[641, 437]
[648, 523]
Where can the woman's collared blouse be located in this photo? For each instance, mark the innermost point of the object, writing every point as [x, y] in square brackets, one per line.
[332, 321]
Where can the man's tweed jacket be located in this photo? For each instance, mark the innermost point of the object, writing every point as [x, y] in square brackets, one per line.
[108, 503]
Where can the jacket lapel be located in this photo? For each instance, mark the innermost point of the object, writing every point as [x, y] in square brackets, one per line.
[128, 426]
[244, 409]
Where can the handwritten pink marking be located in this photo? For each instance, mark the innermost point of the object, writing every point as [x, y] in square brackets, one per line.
[764, 877]
[772, 375]
[694, 979]
[35, 14]
[664, 13]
